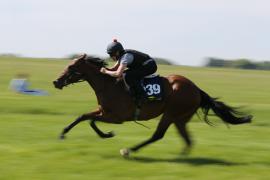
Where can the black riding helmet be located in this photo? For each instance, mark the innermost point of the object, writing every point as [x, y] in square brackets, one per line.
[114, 46]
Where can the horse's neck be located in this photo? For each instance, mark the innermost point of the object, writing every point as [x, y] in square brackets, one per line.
[100, 82]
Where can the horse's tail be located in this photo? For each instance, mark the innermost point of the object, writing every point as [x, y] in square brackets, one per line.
[228, 114]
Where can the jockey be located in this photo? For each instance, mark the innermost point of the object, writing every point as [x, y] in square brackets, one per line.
[134, 65]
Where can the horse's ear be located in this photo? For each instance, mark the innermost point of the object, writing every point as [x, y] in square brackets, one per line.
[83, 56]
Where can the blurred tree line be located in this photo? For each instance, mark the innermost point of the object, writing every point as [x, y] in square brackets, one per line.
[9, 55]
[237, 63]
[158, 60]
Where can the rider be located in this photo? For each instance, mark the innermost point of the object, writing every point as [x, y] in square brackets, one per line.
[134, 64]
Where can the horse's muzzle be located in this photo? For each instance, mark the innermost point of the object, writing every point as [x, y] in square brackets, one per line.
[57, 84]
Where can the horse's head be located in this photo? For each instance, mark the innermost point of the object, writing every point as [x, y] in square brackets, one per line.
[78, 70]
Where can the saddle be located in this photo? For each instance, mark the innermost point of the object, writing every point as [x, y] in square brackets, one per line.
[152, 87]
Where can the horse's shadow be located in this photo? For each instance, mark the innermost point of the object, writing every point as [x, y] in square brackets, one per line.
[195, 161]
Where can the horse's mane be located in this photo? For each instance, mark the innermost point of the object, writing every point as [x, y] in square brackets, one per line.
[96, 61]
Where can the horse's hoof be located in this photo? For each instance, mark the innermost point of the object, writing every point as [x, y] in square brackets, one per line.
[107, 135]
[125, 152]
[248, 119]
[111, 134]
[62, 137]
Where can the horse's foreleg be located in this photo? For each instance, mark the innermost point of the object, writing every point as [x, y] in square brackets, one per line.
[158, 134]
[83, 117]
[99, 132]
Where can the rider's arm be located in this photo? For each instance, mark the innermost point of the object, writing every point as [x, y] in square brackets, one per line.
[115, 67]
[125, 60]
[118, 72]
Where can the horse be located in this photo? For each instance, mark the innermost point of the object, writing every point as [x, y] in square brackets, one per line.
[181, 100]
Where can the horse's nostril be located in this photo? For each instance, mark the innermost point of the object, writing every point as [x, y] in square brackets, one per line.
[57, 85]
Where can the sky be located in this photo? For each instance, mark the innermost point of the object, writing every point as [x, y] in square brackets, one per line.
[183, 31]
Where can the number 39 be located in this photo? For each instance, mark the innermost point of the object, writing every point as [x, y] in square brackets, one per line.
[152, 89]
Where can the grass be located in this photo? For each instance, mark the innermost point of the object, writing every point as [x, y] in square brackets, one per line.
[29, 129]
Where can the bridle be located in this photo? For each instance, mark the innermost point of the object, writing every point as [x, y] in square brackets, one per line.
[70, 76]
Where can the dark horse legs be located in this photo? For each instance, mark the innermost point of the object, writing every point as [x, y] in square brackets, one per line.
[158, 134]
[182, 129]
[89, 116]
[163, 125]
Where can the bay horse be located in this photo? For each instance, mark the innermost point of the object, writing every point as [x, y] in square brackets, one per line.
[181, 100]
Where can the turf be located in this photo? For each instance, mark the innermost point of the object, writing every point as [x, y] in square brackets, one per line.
[30, 125]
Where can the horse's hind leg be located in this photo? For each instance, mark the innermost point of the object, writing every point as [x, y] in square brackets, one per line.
[158, 134]
[181, 126]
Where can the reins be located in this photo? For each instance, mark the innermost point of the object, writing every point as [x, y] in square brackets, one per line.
[142, 124]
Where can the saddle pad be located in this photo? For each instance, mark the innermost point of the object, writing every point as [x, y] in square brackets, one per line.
[153, 87]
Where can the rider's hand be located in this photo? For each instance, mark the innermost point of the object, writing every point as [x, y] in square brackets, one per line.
[103, 70]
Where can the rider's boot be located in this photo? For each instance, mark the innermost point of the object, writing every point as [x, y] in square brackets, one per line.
[139, 98]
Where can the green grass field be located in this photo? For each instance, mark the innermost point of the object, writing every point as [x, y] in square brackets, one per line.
[30, 125]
